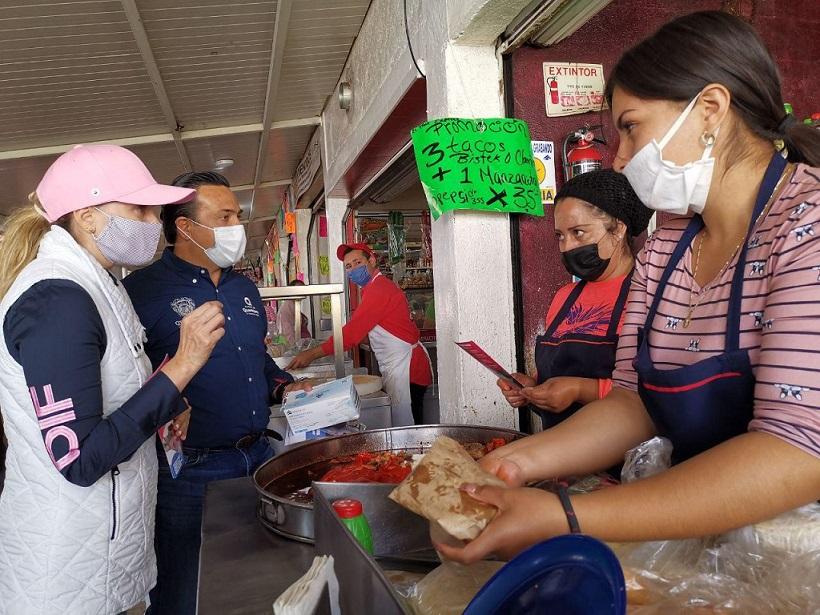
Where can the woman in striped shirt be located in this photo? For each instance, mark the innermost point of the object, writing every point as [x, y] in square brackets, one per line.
[719, 349]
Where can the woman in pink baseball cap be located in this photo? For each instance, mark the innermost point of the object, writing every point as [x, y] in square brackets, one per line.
[80, 406]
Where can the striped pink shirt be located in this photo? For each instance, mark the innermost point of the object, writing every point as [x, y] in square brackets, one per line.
[780, 319]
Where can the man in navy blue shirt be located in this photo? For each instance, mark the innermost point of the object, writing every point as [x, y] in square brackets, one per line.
[230, 397]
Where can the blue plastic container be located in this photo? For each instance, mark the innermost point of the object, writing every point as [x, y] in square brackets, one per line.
[567, 575]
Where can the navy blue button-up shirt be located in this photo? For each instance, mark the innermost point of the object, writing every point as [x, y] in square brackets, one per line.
[230, 397]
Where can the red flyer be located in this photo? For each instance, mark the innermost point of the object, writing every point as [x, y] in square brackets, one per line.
[475, 351]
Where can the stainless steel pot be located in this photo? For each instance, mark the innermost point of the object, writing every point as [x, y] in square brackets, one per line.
[295, 519]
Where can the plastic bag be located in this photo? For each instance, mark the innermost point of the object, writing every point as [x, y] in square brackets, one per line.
[797, 583]
[667, 559]
[711, 593]
[448, 589]
[793, 533]
[761, 569]
[768, 567]
[730, 560]
[647, 459]
[576, 485]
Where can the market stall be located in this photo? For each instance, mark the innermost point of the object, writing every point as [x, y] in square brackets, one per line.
[392, 217]
[266, 542]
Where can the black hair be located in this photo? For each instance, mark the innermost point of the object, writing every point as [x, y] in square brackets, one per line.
[689, 53]
[194, 180]
[611, 194]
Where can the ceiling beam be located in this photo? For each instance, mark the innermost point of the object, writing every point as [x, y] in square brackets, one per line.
[150, 62]
[277, 54]
[261, 185]
[186, 135]
[262, 219]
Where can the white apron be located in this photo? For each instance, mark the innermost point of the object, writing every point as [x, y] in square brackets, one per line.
[394, 355]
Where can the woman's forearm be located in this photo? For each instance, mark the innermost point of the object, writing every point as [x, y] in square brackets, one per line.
[594, 438]
[750, 478]
[588, 390]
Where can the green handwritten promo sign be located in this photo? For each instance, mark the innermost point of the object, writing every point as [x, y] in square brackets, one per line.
[480, 164]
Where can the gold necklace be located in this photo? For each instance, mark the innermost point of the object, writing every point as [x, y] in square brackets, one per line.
[703, 291]
[692, 307]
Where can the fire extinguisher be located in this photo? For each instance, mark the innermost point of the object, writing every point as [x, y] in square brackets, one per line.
[553, 86]
[583, 156]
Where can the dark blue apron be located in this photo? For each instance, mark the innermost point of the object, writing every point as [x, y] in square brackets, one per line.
[701, 405]
[575, 354]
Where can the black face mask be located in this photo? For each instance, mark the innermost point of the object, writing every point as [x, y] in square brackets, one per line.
[585, 262]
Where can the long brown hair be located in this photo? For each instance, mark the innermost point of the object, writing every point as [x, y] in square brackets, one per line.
[689, 53]
[22, 233]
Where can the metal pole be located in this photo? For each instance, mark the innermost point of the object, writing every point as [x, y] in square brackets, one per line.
[297, 319]
[338, 344]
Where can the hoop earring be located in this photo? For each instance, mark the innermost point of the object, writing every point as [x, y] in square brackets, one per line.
[707, 139]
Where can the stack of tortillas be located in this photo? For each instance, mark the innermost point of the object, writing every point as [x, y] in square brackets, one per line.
[433, 490]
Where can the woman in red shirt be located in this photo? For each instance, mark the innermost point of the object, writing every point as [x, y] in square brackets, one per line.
[597, 217]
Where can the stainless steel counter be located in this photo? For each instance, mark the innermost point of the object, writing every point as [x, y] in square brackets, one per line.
[243, 568]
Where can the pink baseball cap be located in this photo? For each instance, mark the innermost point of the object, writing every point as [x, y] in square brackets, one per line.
[89, 175]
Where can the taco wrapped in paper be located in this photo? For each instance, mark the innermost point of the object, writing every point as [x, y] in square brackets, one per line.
[433, 490]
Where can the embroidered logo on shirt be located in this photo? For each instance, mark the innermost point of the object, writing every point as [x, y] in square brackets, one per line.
[694, 346]
[754, 242]
[757, 267]
[800, 210]
[672, 322]
[182, 306]
[788, 390]
[802, 231]
[249, 309]
[759, 322]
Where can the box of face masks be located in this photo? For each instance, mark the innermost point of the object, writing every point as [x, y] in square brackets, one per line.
[327, 404]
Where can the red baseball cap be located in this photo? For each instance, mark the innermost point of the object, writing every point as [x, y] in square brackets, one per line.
[349, 247]
[89, 175]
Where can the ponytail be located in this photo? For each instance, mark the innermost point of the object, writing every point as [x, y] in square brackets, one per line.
[802, 142]
[22, 233]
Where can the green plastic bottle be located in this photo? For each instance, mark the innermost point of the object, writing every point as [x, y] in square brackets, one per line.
[352, 515]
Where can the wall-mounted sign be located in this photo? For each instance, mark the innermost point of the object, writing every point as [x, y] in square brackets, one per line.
[479, 164]
[544, 154]
[572, 88]
[308, 167]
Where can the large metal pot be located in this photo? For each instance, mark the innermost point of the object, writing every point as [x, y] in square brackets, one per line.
[295, 519]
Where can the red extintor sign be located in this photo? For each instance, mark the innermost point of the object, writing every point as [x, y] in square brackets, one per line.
[572, 88]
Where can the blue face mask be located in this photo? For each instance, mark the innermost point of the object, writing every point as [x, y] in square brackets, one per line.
[360, 276]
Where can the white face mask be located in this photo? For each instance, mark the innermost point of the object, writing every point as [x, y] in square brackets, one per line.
[229, 244]
[666, 186]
